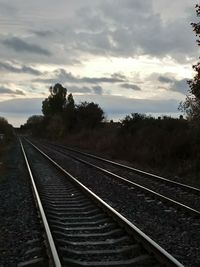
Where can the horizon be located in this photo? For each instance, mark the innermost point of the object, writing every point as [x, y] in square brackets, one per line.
[19, 117]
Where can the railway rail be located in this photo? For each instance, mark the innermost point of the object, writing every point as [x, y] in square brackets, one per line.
[181, 195]
[82, 229]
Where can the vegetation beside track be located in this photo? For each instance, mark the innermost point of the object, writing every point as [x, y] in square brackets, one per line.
[164, 145]
[6, 139]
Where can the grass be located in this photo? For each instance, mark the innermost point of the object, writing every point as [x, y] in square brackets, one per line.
[4, 155]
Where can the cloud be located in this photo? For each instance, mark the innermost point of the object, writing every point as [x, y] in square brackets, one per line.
[176, 85]
[42, 33]
[60, 75]
[119, 75]
[164, 79]
[4, 66]
[4, 90]
[130, 86]
[96, 28]
[128, 31]
[19, 92]
[100, 80]
[21, 46]
[180, 86]
[76, 89]
[98, 90]
[84, 89]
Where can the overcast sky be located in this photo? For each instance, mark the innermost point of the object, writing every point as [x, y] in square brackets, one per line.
[126, 55]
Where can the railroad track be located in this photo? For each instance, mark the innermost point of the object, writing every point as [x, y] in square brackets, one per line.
[178, 194]
[81, 229]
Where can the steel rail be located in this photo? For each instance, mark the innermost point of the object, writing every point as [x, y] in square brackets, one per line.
[145, 189]
[151, 246]
[52, 247]
[137, 171]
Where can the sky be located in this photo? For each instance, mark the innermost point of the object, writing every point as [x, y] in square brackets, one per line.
[125, 55]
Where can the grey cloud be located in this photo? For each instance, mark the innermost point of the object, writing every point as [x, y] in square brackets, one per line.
[129, 31]
[94, 27]
[76, 89]
[22, 69]
[59, 75]
[119, 75]
[19, 92]
[180, 86]
[42, 33]
[4, 90]
[6, 8]
[164, 79]
[30, 70]
[101, 80]
[130, 86]
[84, 89]
[22, 46]
[62, 76]
[98, 90]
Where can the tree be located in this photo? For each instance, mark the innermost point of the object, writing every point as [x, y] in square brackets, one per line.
[131, 123]
[89, 115]
[69, 114]
[55, 127]
[6, 129]
[56, 101]
[35, 124]
[192, 103]
[35, 119]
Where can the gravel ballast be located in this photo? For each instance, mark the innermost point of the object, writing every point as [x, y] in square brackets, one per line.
[19, 224]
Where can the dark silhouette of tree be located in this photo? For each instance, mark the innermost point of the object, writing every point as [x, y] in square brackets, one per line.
[192, 103]
[135, 121]
[6, 128]
[89, 115]
[35, 119]
[35, 124]
[70, 102]
[55, 127]
[56, 101]
[69, 114]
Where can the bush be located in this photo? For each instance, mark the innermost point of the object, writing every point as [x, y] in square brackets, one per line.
[6, 129]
